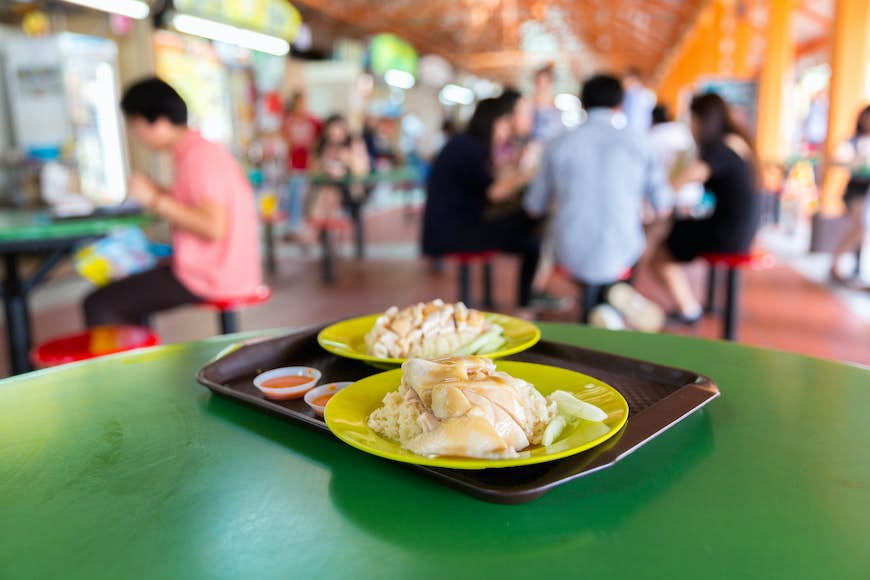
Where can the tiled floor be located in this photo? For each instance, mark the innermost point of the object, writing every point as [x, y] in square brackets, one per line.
[781, 308]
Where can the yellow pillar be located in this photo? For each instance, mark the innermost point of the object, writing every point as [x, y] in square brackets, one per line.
[850, 52]
[775, 72]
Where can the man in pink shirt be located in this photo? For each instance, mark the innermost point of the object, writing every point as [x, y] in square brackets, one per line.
[210, 208]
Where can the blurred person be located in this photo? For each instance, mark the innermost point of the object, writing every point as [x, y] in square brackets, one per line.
[380, 138]
[855, 155]
[728, 169]
[369, 138]
[412, 131]
[670, 139]
[815, 125]
[341, 158]
[440, 138]
[675, 148]
[524, 149]
[210, 208]
[547, 118]
[301, 131]
[639, 101]
[520, 148]
[593, 181]
[463, 181]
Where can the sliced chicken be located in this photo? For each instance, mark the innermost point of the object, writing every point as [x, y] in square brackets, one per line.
[467, 436]
[501, 394]
[449, 401]
[430, 330]
[428, 421]
[505, 425]
[463, 407]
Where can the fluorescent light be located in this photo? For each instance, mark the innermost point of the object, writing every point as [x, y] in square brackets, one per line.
[567, 102]
[399, 79]
[456, 94]
[230, 34]
[131, 8]
[108, 127]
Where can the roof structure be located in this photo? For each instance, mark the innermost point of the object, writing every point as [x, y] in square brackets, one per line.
[502, 39]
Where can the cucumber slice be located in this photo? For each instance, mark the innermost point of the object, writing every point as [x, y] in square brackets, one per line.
[486, 342]
[554, 429]
[574, 407]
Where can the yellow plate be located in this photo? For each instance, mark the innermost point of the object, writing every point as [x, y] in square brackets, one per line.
[347, 338]
[348, 411]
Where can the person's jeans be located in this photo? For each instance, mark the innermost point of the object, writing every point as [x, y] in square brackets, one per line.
[294, 202]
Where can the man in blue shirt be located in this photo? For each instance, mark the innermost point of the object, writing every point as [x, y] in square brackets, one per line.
[638, 102]
[548, 119]
[593, 180]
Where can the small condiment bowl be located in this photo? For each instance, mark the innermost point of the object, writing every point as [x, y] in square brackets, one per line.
[315, 396]
[311, 377]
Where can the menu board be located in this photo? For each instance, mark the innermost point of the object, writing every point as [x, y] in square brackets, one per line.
[192, 67]
[276, 17]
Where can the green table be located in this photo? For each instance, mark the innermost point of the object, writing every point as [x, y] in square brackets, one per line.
[125, 467]
[398, 175]
[35, 232]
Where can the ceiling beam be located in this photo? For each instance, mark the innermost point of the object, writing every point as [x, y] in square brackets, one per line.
[674, 52]
[421, 43]
[818, 44]
[811, 12]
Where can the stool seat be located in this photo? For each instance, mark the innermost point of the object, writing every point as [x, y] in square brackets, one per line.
[470, 257]
[330, 224]
[464, 260]
[227, 307]
[733, 264]
[261, 294]
[753, 260]
[92, 343]
[275, 218]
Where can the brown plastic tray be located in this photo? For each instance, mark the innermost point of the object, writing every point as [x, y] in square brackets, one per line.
[658, 398]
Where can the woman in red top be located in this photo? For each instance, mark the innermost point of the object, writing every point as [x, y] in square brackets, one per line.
[301, 131]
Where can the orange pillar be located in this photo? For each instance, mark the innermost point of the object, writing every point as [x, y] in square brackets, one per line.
[700, 53]
[850, 52]
[743, 38]
[776, 71]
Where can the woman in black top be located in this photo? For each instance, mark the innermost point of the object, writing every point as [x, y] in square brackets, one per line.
[855, 155]
[727, 168]
[461, 184]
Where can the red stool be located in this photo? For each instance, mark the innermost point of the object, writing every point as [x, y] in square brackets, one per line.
[465, 260]
[92, 343]
[327, 228]
[733, 264]
[228, 307]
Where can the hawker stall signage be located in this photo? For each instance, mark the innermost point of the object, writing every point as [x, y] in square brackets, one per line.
[275, 17]
[389, 52]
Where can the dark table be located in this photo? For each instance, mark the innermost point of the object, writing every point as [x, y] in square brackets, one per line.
[398, 175]
[37, 233]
